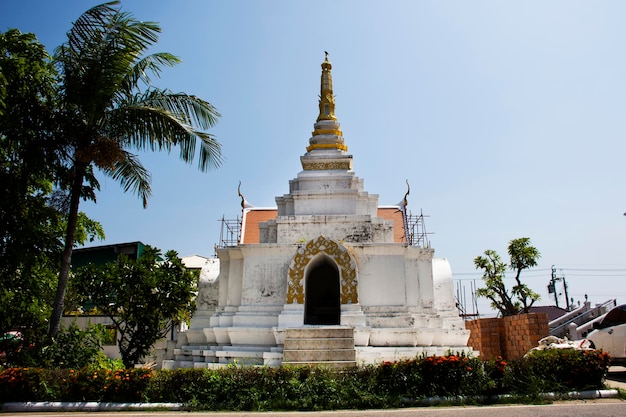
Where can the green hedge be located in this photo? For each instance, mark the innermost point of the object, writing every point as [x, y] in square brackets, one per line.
[391, 384]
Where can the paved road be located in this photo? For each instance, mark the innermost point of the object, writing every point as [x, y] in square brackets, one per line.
[595, 408]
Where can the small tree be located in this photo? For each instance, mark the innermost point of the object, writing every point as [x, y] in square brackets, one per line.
[521, 298]
[142, 297]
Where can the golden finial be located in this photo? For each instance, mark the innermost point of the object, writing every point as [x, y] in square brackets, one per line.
[327, 100]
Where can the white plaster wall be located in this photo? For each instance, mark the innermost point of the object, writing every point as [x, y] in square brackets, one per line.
[208, 288]
[298, 229]
[412, 277]
[231, 275]
[380, 274]
[394, 275]
[265, 273]
[325, 180]
[425, 276]
[323, 202]
[443, 286]
[223, 278]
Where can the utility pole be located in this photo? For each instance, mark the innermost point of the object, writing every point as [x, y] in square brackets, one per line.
[552, 286]
[567, 301]
[552, 289]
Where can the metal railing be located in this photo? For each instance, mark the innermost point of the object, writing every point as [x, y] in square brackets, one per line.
[584, 315]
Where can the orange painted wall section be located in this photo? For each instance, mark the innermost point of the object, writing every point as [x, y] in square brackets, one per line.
[393, 213]
[250, 224]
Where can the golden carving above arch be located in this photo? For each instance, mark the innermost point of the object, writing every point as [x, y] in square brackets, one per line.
[334, 250]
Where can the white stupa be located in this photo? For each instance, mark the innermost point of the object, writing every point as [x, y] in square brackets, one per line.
[327, 264]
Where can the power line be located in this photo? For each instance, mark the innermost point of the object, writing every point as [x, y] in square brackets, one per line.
[593, 270]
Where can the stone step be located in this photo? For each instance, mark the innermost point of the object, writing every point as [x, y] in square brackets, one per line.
[238, 354]
[175, 364]
[324, 364]
[329, 355]
[318, 332]
[317, 343]
[330, 346]
[243, 357]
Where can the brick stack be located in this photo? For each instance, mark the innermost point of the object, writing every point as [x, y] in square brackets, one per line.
[523, 332]
[485, 336]
[510, 337]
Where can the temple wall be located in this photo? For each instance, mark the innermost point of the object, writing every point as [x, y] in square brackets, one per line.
[224, 278]
[443, 288]
[265, 273]
[388, 275]
[380, 277]
[294, 229]
[394, 275]
[235, 276]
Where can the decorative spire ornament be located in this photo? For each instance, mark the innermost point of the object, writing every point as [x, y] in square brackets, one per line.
[327, 133]
[327, 99]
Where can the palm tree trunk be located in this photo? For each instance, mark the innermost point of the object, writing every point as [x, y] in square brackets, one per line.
[66, 260]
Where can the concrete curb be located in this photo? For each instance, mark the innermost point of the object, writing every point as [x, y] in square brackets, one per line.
[574, 395]
[96, 406]
[88, 406]
[583, 395]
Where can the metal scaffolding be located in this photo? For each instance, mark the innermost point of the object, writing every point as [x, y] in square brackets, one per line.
[415, 230]
[230, 233]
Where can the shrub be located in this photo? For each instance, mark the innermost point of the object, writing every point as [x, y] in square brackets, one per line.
[560, 370]
[31, 384]
[451, 375]
[123, 385]
[74, 348]
[246, 388]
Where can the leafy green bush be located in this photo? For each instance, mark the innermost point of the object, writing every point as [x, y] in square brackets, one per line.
[559, 370]
[31, 384]
[74, 348]
[391, 384]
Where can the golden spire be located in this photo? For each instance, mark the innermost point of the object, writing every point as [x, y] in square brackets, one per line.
[327, 133]
[327, 100]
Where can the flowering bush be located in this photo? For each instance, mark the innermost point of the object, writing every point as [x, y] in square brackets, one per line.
[124, 385]
[31, 384]
[462, 375]
[14, 385]
[390, 384]
[495, 372]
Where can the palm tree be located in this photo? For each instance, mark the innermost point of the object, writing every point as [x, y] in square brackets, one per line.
[109, 107]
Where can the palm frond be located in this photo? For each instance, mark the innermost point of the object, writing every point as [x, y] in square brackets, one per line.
[92, 21]
[132, 175]
[152, 63]
[102, 48]
[210, 152]
[158, 120]
[147, 128]
[189, 109]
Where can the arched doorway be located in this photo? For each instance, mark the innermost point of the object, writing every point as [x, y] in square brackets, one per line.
[303, 260]
[322, 290]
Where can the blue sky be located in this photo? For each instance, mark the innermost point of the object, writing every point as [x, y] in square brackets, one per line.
[507, 118]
